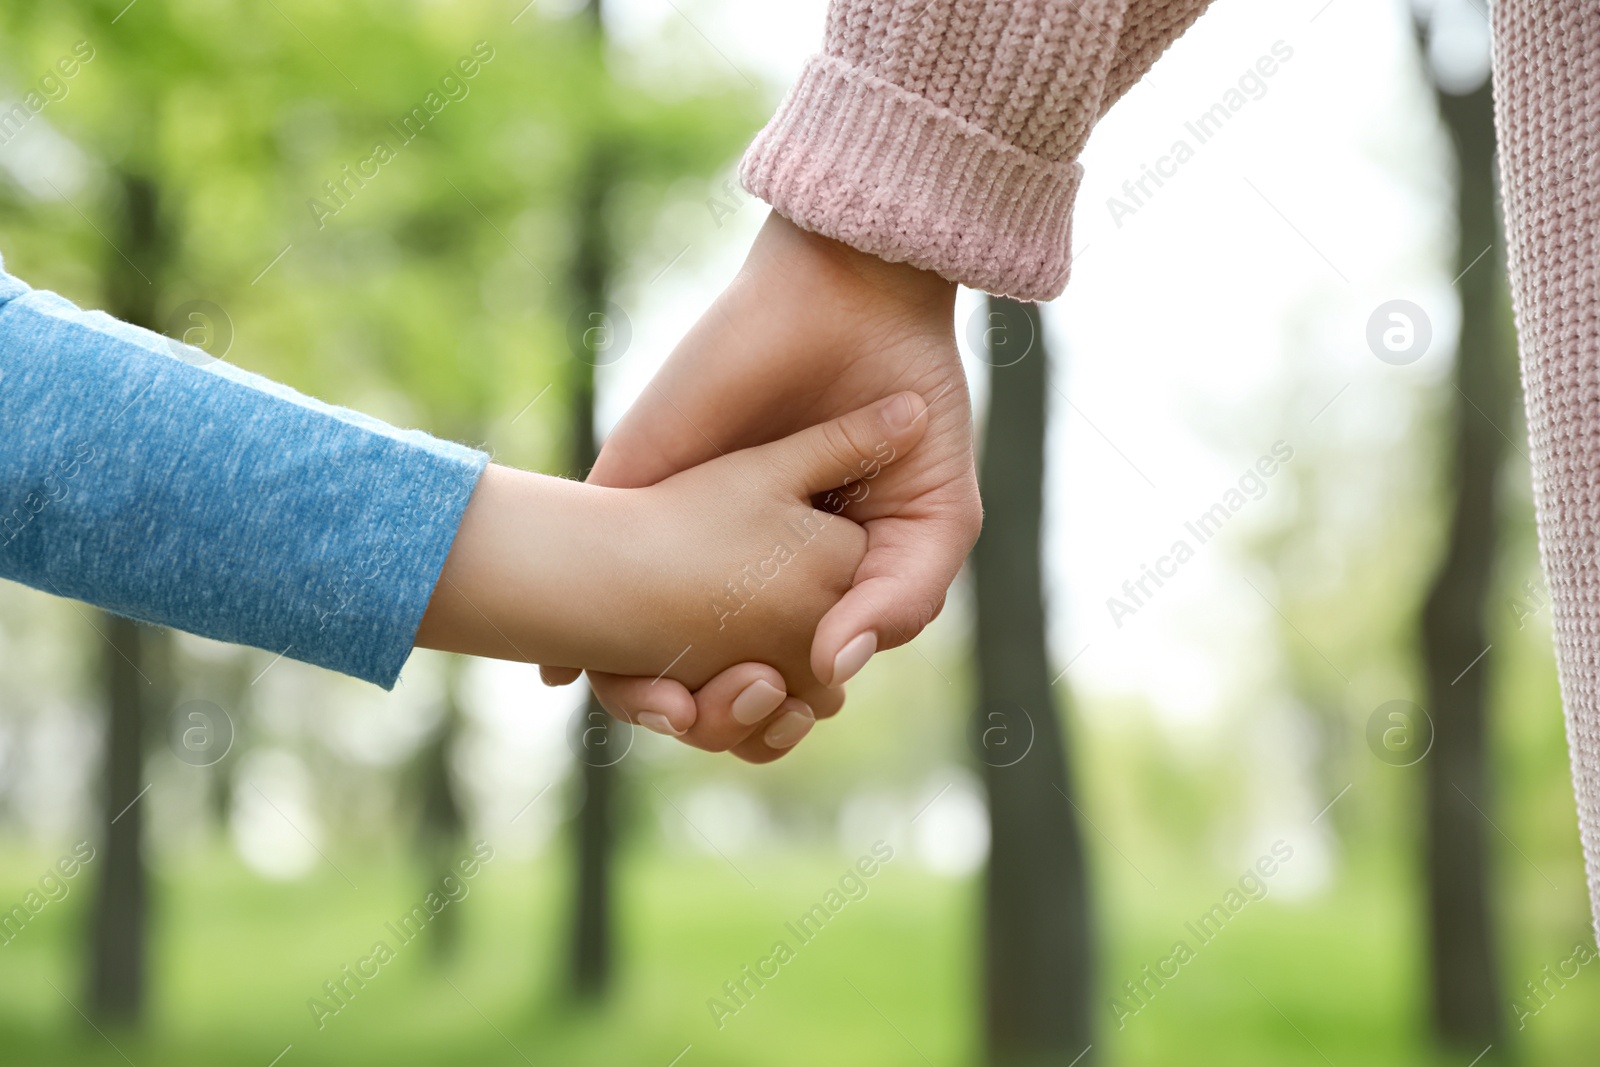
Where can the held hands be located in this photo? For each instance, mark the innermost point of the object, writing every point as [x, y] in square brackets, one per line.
[808, 330]
[722, 563]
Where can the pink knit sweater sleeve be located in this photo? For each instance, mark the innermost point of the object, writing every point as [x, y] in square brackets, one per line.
[945, 133]
[1547, 108]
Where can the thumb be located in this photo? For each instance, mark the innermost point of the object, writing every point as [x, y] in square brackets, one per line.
[849, 450]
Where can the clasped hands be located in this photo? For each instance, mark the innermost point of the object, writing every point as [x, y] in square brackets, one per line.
[793, 492]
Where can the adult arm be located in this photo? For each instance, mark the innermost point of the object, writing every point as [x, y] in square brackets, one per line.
[928, 144]
[1547, 114]
[946, 134]
[211, 500]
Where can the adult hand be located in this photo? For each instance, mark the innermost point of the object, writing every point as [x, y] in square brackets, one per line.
[808, 330]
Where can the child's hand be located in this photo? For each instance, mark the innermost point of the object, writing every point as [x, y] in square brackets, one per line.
[740, 566]
[723, 563]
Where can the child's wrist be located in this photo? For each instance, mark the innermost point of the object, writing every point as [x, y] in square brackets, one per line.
[527, 577]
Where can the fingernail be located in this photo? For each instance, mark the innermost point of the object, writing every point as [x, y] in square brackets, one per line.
[758, 700]
[897, 414]
[853, 656]
[789, 729]
[654, 720]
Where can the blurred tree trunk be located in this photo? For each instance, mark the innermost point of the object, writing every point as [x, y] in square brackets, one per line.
[1039, 970]
[136, 663]
[118, 932]
[441, 826]
[234, 683]
[1466, 1006]
[593, 923]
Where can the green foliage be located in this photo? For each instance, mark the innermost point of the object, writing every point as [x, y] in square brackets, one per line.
[239, 958]
[422, 264]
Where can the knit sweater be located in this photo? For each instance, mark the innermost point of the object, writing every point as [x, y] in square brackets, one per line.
[1547, 111]
[945, 133]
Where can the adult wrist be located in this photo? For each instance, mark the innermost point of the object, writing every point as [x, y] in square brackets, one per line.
[788, 248]
[858, 158]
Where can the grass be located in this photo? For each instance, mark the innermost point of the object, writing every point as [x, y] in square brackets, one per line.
[891, 979]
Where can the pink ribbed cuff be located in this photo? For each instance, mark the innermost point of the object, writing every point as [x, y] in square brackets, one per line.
[859, 159]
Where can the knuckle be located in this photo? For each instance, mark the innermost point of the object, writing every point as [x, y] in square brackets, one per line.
[842, 440]
[918, 614]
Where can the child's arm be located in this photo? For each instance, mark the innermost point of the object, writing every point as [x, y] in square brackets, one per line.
[138, 475]
[723, 563]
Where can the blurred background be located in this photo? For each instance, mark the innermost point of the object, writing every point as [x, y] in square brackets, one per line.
[1264, 763]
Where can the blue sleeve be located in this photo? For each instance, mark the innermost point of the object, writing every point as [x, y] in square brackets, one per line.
[208, 499]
